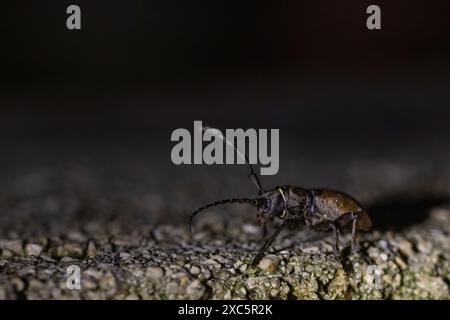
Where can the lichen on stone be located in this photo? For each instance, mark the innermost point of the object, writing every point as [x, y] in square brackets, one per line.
[169, 263]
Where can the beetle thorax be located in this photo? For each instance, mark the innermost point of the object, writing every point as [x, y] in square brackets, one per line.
[298, 200]
[285, 202]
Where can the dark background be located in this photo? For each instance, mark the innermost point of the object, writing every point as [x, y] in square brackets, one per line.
[267, 57]
[92, 110]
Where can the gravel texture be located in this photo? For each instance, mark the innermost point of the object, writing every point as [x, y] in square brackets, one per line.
[124, 223]
[166, 262]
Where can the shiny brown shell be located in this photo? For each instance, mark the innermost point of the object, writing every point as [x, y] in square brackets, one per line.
[334, 206]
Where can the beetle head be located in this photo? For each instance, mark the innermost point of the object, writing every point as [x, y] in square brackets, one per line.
[273, 203]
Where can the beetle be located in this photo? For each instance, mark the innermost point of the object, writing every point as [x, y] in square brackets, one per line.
[318, 209]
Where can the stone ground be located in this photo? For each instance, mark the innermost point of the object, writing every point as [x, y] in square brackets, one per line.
[166, 262]
[132, 241]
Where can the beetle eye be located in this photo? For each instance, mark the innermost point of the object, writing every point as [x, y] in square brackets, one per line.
[267, 204]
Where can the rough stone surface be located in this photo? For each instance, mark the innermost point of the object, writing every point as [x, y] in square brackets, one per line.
[33, 249]
[166, 262]
[122, 218]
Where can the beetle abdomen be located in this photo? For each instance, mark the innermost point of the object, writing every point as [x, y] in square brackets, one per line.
[364, 223]
[329, 206]
[333, 204]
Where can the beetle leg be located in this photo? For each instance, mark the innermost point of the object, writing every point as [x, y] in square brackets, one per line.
[264, 230]
[267, 244]
[263, 224]
[355, 244]
[337, 243]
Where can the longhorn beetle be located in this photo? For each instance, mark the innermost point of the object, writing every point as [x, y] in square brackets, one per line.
[318, 209]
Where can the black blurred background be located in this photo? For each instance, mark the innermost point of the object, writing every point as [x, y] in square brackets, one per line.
[269, 56]
[359, 110]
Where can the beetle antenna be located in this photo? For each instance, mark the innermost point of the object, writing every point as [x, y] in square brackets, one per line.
[252, 174]
[257, 202]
